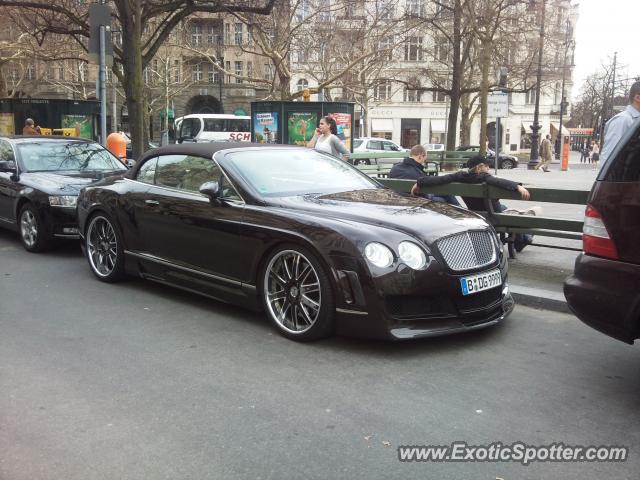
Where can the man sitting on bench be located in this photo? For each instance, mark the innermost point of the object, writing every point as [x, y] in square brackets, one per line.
[412, 168]
[478, 172]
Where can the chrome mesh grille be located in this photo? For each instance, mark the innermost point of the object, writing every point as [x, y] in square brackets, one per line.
[467, 250]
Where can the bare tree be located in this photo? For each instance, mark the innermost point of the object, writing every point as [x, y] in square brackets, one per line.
[69, 17]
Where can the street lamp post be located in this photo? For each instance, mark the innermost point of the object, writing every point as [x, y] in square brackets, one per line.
[564, 70]
[534, 159]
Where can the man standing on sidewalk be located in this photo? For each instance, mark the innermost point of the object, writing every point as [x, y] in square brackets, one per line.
[617, 126]
[546, 154]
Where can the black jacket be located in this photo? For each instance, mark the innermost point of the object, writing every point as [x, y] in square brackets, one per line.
[407, 169]
[464, 176]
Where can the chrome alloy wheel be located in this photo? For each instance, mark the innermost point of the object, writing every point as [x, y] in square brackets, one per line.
[29, 228]
[292, 291]
[102, 246]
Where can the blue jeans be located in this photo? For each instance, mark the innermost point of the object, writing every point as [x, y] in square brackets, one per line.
[445, 199]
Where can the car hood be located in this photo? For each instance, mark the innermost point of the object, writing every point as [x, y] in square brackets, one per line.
[416, 216]
[68, 183]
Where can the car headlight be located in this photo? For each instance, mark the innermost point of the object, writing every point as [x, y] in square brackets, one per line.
[412, 255]
[378, 254]
[63, 200]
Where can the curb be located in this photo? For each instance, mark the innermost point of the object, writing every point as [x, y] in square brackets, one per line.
[539, 298]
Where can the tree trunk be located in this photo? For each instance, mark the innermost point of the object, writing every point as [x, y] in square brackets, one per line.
[465, 120]
[456, 75]
[133, 84]
[3, 83]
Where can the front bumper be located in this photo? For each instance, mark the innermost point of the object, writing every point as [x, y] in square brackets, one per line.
[605, 294]
[62, 222]
[407, 304]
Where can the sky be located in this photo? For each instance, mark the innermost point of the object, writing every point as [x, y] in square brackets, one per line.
[605, 27]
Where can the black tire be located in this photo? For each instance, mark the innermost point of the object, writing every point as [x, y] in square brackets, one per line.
[288, 294]
[362, 161]
[507, 164]
[104, 249]
[33, 233]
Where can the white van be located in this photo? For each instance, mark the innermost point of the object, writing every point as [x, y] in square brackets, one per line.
[213, 127]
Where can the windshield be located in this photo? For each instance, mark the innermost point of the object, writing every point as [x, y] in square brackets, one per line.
[281, 173]
[59, 156]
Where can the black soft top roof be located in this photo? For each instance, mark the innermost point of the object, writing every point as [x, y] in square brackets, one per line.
[206, 149]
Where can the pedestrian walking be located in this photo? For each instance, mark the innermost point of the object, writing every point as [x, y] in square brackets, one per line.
[616, 127]
[326, 138]
[584, 152]
[546, 154]
[30, 127]
[595, 155]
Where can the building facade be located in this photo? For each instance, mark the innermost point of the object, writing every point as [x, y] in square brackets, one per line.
[398, 107]
[383, 55]
[180, 79]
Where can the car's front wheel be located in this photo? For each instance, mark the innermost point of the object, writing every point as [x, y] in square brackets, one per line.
[507, 164]
[104, 248]
[362, 161]
[33, 233]
[297, 294]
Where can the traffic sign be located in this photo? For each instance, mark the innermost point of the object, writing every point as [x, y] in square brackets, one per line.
[498, 105]
[100, 14]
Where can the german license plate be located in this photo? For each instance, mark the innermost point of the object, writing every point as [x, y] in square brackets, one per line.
[482, 281]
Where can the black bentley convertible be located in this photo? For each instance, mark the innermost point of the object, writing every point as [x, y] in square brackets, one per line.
[318, 245]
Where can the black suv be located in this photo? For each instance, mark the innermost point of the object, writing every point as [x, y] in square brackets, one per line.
[604, 290]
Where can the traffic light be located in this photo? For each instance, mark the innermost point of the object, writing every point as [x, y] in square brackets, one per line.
[502, 77]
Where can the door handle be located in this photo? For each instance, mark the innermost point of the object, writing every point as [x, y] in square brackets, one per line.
[152, 202]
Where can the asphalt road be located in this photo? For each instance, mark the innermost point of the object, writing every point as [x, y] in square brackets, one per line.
[139, 381]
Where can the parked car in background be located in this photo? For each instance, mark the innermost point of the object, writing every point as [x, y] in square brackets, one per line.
[434, 147]
[373, 144]
[506, 161]
[40, 178]
[314, 242]
[604, 290]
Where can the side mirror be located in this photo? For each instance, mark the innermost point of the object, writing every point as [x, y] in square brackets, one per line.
[8, 166]
[211, 190]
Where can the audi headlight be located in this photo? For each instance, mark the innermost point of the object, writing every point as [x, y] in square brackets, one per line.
[63, 200]
[412, 255]
[378, 254]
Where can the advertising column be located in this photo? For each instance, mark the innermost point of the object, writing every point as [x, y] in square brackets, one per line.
[301, 127]
[265, 127]
[343, 124]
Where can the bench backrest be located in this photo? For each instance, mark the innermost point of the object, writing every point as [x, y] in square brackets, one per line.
[488, 192]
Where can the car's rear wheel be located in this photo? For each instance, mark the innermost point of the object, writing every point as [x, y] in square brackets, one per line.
[104, 248]
[297, 294]
[507, 164]
[33, 233]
